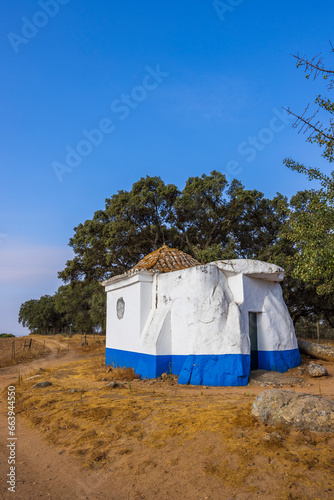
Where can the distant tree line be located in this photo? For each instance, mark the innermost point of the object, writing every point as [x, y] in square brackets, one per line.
[210, 219]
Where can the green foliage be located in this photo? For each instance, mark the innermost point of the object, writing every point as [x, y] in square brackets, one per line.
[201, 221]
[98, 308]
[40, 316]
[133, 224]
[209, 219]
[74, 302]
[312, 220]
[312, 233]
[6, 335]
[307, 329]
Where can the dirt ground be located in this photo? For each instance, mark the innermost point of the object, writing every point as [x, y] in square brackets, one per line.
[184, 442]
[23, 352]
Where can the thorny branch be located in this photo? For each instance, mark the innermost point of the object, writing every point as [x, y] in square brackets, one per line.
[306, 124]
[315, 67]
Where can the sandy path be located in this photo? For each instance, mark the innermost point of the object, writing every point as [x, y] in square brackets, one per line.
[43, 471]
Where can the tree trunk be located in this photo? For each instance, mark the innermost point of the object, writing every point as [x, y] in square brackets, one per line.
[324, 352]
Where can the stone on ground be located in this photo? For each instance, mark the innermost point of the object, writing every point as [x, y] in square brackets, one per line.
[303, 411]
[316, 370]
[41, 385]
[115, 384]
[262, 378]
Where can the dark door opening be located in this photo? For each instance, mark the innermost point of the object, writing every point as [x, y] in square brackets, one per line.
[253, 340]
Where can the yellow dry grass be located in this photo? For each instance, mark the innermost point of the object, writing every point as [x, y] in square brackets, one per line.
[65, 343]
[82, 415]
[22, 354]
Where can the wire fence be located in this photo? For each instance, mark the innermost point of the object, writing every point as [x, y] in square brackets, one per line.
[314, 331]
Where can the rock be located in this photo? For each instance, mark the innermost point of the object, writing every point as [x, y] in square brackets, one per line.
[315, 370]
[303, 411]
[115, 384]
[40, 385]
[263, 378]
[325, 352]
[273, 437]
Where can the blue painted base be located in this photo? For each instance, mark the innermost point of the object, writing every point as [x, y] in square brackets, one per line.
[278, 361]
[220, 370]
[203, 369]
[146, 365]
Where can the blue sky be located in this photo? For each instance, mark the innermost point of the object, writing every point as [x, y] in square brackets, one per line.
[175, 89]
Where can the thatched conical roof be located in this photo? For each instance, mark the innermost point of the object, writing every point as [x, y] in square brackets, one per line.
[166, 259]
[163, 260]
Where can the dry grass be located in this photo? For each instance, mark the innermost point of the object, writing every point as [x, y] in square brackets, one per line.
[101, 425]
[21, 354]
[40, 347]
[74, 343]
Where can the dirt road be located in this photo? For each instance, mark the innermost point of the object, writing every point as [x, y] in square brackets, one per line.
[172, 473]
[41, 471]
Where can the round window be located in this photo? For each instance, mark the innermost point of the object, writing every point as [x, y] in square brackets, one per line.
[120, 306]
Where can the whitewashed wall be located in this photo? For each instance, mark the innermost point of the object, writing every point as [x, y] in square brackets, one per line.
[136, 291]
[201, 311]
[195, 314]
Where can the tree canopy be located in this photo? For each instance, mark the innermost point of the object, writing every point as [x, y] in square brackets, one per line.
[41, 315]
[210, 219]
[312, 220]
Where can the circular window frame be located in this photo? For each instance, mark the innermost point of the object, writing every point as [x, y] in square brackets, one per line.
[120, 308]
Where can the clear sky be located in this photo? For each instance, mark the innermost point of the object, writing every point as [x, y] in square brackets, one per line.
[96, 94]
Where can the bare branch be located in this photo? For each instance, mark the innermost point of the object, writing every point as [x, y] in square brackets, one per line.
[314, 67]
[317, 66]
[305, 124]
